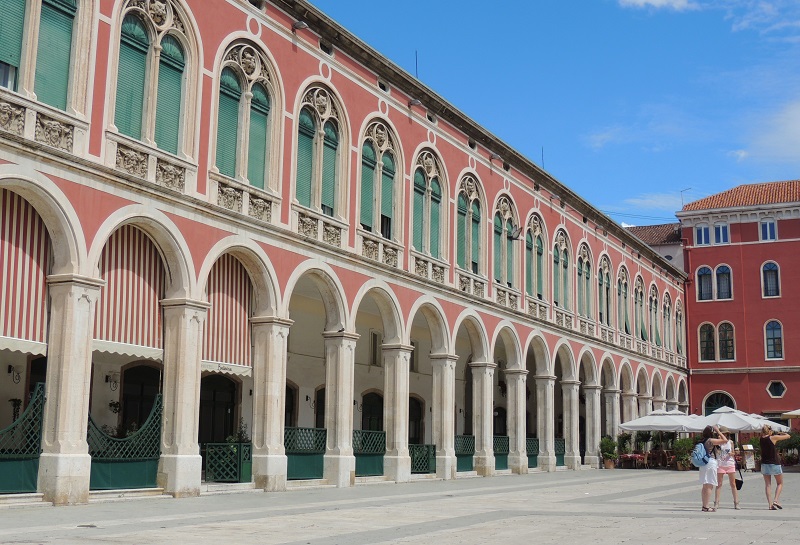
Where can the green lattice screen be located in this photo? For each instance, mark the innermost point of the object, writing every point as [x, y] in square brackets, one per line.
[500, 444]
[532, 446]
[229, 462]
[465, 450]
[369, 442]
[423, 458]
[560, 448]
[305, 452]
[20, 445]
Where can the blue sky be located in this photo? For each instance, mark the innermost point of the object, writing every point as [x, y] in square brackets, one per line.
[632, 101]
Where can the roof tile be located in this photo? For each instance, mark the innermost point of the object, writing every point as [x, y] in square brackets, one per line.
[749, 195]
[654, 235]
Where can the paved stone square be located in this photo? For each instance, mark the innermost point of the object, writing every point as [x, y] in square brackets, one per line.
[591, 506]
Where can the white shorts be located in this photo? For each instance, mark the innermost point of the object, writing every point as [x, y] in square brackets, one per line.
[708, 473]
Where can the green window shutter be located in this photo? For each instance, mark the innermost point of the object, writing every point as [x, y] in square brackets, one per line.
[228, 122]
[497, 244]
[529, 264]
[509, 253]
[436, 207]
[387, 185]
[419, 209]
[565, 279]
[461, 232]
[305, 157]
[556, 277]
[257, 146]
[367, 184]
[331, 144]
[580, 288]
[475, 251]
[170, 89]
[131, 75]
[52, 62]
[12, 24]
[539, 267]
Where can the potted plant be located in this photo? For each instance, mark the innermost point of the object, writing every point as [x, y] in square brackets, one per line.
[624, 443]
[608, 450]
[683, 449]
[239, 441]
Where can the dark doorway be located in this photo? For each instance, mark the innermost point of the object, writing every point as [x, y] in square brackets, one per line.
[416, 416]
[372, 412]
[500, 426]
[290, 418]
[468, 399]
[319, 408]
[217, 409]
[37, 374]
[140, 386]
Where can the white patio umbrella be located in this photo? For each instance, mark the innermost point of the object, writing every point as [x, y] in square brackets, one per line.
[791, 414]
[736, 420]
[658, 420]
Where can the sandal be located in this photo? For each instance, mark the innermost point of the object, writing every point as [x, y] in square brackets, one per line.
[736, 505]
[705, 509]
[773, 508]
[776, 504]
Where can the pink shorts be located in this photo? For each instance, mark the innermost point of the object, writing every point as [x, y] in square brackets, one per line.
[726, 469]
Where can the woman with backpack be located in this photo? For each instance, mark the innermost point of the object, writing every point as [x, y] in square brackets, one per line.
[712, 438]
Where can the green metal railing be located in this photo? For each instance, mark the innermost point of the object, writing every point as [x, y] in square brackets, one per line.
[532, 446]
[560, 448]
[305, 452]
[500, 444]
[229, 462]
[20, 446]
[369, 448]
[129, 462]
[465, 452]
[423, 458]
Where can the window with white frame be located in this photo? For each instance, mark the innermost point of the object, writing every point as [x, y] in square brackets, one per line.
[655, 333]
[773, 333]
[701, 235]
[667, 317]
[707, 343]
[639, 310]
[468, 226]
[726, 343]
[723, 274]
[604, 292]
[378, 173]
[534, 258]
[705, 291]
[771, 280]
[679, 344]
[623, 305]
[561, 271]
[584, 271]
[426, 228]
[721, 233]
[503, 242]
[768, 230]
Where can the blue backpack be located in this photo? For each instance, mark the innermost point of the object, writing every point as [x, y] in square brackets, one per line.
[699, 455]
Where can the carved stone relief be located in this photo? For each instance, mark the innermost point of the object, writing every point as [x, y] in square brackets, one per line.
[332, 235]
[252, 62]
[370, 249]
[260, 209]
[535, 226]
[12, 118]
[478, 289]
[501, 297]
[513, 301]
[170, 176]
[131, 161]
[421, 267]
[438, 274]
[390, 256]
[464, 283]
[429, 164]
[470, 187]
[162, 13]
[319, 99]
[381, 136]
[307, 226]
[230, 198]
[53, 133]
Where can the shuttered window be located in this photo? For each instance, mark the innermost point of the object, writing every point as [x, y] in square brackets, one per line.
[461, 232]
[436, 206]
[539, 267]
[529, 264]
[580, 288]
[367, 185]
[170, 89]
[257, 146]
[11, 27]
[565, 279]
[55, 47]
[556, 277]
[387, 195]
[419, 209]
[498, 248]
[330, 146]
[509, 253]
[475, 251]
[230, 92]
[131, 75]
[305, 157]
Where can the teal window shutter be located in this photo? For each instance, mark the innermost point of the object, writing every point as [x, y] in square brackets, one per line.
[436, 207]
[556, 276]
[12, 24]
[461, 232]
[305, 157]
[55, 47]
[170, 89]
[418, 226]
[387, 192]
[587, 294]
[329, 153]
[230, 93]
[475, 251]
[539, 267]
[565, 279]
[580, 288]
[497, 244]
[529, 263]
[257, 146]
[367, 185]
[131, 76]
[509, 253]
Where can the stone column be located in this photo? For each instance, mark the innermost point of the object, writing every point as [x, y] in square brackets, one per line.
[270, 336]
[659, 404]
[483, 416]
[592, 456]
[611, 398]
[545, 415]
[65, 464]
[180, 466]
[517, 452]
[444, 408]
[671, 405]
[340, 463]
[645, 405]
[397, 461]
[629, 407]
[572, 454]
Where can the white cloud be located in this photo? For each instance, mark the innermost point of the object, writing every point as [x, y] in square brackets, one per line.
[739, 154]
[777, 136]
[677, 5]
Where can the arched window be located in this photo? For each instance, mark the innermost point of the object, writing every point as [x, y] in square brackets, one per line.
[561, 271]
[726, 344]
[715, 401]
[230, 94]
[142, 42]
[704, 288]
[667, 317]
[774, 340]
[655, 334]
[639, 316]
[623, 316]
[317, 182]
[584, 283]
[534, 259]
[707, 343]
[468, 226]
[503, 243]
[378, 180]
[604, 292]
[427, 206]
[679, 328]
[723, 282]
[770, 279]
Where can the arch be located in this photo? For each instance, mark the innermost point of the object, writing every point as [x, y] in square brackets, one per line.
[671, 392]
[258, 266]
[657, 389]
[167, 237]
[715, 399]
[588, 365]
[683, 392]
[331, 291]
[608, 375]
[563, 351]
[68, 245]
[506, 334]
[538, 350]
[433, 313]
[642, 381]
[388, 305]
[476, 331]
[626, 383]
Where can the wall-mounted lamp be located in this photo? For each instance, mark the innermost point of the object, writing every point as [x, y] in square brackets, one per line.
[357, 406]
[299, 25]
[112, 379]
[414, 102]
[494, 157]
[310, 402]
[15, 374]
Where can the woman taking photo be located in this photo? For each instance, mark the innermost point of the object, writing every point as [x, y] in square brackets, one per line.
[771, 465]
[712, 438]
[726, 465]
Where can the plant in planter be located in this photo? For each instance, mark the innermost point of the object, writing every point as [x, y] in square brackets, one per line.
[683, 450]
[624, 443]
[642, 438]
[608, 450]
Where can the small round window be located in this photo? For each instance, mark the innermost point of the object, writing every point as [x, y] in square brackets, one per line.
[776, 388]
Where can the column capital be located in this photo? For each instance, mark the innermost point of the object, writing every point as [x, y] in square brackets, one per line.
[397, 347]
[551, 378]
[482, 365]
[570, 382]
[271, 320]
[645, 397]
[515, 372]
[78, 279]
[628, 395]
[592, 387]
[444, 357]
[614, 391]
[340, 335]
[177, 302]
